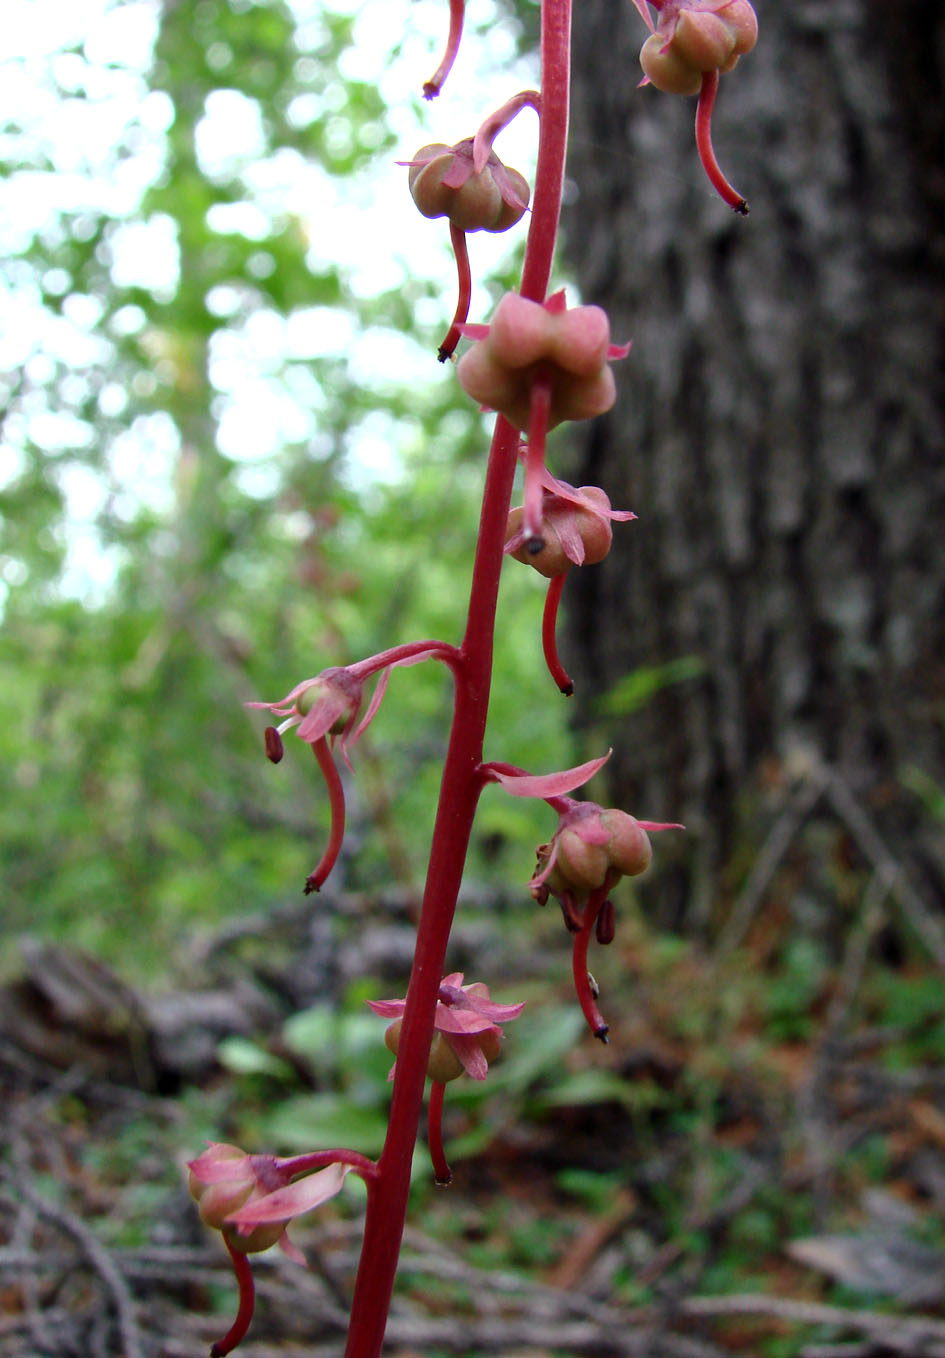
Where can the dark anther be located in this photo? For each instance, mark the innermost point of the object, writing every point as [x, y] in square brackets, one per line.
[310, 886]
[602, 1032]
[568, 689]
[274, 747]
[741, 208]
[535, 545]
[604, 927]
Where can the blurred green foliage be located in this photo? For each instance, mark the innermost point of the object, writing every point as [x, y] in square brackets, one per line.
[190, 511]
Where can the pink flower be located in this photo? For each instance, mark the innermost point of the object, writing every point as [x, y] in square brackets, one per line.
[527, 341]
[574, 527]
[466, 1028]
[447, 181]
[692, 42]
[251, 1198]
[329, 704]
[693, 37]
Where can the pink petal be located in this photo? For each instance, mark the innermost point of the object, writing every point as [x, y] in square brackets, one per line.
[213, 1166]
[294, 1199]
[451, 1019]
[615, 351]
[470, 1053]
[474, 331]
[454, 980]
[498, 1013]
[551, 784]
[377, 698]
[572, 544]
[291, 1251]
[322, 717]
[660, 825]
[388, 1008]
[644, 11]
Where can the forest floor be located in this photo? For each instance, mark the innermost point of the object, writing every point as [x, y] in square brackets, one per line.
[754, 1165]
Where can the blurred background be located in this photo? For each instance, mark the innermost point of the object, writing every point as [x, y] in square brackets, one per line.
[230, 459]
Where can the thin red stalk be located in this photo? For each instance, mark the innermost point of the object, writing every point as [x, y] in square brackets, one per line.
[432, 87]
[462, 780]
[311, 1160]
[464, 280]
[244, 1315]
[336, 798]
[493, 125]
[582, 980]
[439, 650]
[441, 1170]
[552, 147]
[710, 85]
[538, 413]
[548, 640]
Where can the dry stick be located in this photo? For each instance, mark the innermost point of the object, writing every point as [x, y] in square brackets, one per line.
[97, 1255]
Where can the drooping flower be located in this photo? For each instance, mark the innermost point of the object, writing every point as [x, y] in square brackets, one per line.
[445, 181]
[590, 851]
[251, 1199]
[692, 37]
[467, 1031]
[326, 708]
[574, 527]
[568, 349]
[691, 43]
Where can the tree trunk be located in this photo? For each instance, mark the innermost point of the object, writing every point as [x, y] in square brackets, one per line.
[780, 431]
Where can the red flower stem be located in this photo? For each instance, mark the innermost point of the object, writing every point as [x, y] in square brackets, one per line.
[432, 87]
[439, 650]
[462, 779]
[549, 643]
[710, 85]
[582, 980]
[493, 125]
[244, 1315]
[304, 1164]
[441, 1170]
[552, 147]
[336, 798]
[464, 277]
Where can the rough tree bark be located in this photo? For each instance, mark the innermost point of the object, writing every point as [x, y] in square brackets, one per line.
[780, 430]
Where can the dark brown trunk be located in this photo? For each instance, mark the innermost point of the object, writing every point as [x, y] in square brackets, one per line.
[780, 431]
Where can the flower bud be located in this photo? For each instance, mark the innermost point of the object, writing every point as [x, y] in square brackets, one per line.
[594, 531]
[215, 1201]
[478, 203]
[443, 1064]
[628, 847]
[582, 866]
[699, 41]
